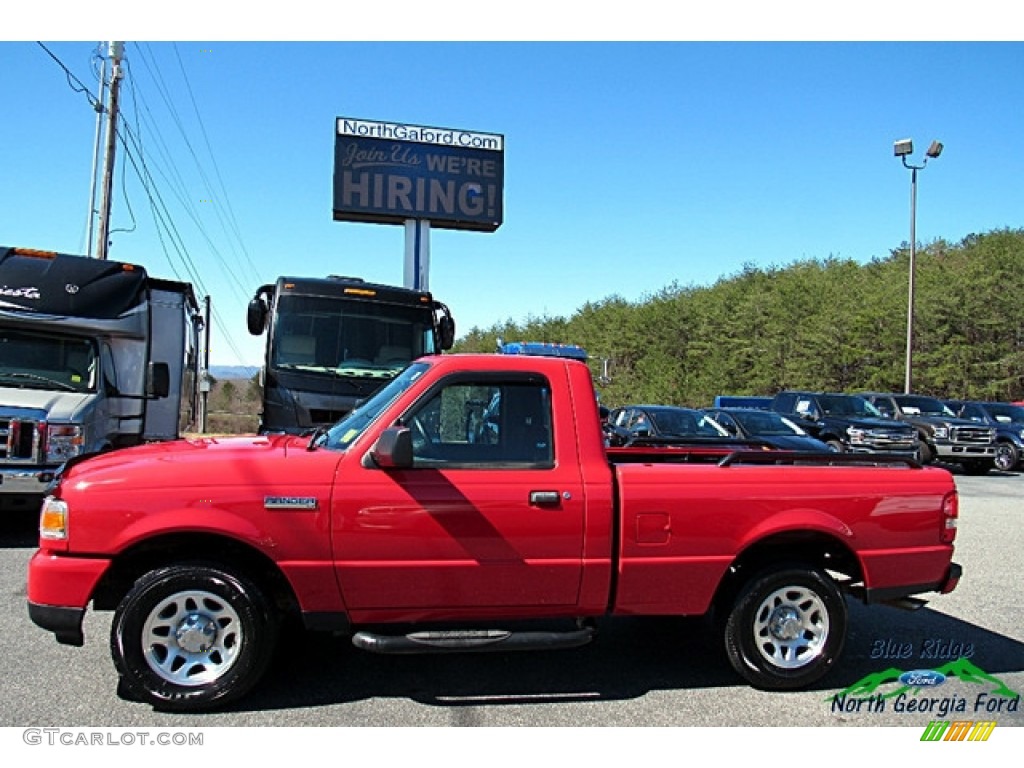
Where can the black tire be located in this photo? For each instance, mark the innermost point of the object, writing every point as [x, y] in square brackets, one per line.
[190, 637]
[1007, 456]
[786, 628]
[836, 445]
[925, 454]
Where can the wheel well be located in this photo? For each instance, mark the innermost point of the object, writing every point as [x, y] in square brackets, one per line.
[800, 548]
[194, 547]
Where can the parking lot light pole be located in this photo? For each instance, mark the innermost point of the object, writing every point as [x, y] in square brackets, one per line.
[902, 149]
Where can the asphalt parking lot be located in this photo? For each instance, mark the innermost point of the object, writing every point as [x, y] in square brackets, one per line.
[639, 672]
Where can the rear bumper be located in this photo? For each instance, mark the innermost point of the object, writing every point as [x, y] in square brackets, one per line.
[944, 586]
[952, 578]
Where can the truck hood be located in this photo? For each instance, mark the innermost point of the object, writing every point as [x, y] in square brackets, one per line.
[42, 404]
[869, 423]
[794, 443]
[940, 421]
[182, 466]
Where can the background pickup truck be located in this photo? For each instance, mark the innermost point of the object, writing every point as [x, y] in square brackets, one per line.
[940, 434]
[847, 423]
[395, 528]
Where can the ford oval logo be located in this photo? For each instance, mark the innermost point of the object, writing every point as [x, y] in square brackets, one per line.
[923, 678]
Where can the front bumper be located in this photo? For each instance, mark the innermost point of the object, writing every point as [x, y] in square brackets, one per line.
[59, 589]
[23, 481]
[64, 622]
[961, 451]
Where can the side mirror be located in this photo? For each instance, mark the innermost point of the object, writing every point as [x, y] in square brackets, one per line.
[256, 316]
[446, 332]
[393, 449]
[158, 380]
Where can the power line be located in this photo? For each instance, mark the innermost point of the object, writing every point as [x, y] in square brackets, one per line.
[76, 85]
[131, 143]
[216, 169]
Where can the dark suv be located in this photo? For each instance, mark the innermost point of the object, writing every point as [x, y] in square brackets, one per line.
[940, 433]
[1007, 420]
[847, 423]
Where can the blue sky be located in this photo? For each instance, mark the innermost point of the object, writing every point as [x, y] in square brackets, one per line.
[628, 165]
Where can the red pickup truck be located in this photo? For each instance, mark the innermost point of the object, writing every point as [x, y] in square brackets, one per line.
[471, 494]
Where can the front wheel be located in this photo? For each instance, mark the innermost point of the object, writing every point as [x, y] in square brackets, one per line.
[925, 454]
[1007, 456]
[786, 628]
[189, 637]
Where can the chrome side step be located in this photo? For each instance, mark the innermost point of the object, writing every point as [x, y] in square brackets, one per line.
[478, 640]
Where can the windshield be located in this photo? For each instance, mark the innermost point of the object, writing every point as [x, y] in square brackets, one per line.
[678, 422]
[1006, 413]
[923, 406]
[349, 338]
[848, 405]
[766, 423]
[344, 433]
[37, 361]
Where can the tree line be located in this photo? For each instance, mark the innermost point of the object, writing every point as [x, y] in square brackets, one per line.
[823, 324]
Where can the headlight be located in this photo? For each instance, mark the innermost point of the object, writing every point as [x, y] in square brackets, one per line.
[53, 519]
[63, 442]
[855, 434]
[941, 433]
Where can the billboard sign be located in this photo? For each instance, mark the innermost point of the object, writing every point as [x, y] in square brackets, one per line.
[387, 173]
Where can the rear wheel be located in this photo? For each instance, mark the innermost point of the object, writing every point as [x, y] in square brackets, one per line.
[786, 628]
[189, 637]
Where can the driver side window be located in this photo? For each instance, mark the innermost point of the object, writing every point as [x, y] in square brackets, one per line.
[483, 424]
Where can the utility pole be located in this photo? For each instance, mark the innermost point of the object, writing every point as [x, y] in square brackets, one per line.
[204, 373]
[98, 106]
[116, 52]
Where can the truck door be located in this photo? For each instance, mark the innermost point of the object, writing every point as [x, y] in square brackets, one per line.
[488, 515]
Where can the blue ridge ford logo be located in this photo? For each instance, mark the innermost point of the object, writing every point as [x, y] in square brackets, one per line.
[923, 678]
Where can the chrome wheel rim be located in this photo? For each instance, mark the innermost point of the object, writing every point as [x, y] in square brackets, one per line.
[791, 627]
[1004, 459]
[192, 638]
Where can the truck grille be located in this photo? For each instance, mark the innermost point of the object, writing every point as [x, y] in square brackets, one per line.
[19, 441]
[974, 435]
[885, 439]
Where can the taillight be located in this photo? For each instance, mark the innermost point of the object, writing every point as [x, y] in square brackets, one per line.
[950, 514]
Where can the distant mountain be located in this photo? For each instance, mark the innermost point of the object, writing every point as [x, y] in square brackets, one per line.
[223, 372]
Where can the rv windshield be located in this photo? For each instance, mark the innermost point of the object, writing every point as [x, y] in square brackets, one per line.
[37, 361]
[347, 337]
[344, 433]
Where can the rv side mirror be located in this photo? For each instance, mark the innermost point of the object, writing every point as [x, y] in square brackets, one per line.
[393, 449]
[256, 316]
[158, 380]
[446, 332]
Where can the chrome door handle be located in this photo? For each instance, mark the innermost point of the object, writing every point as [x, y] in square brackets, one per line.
[544, 498]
